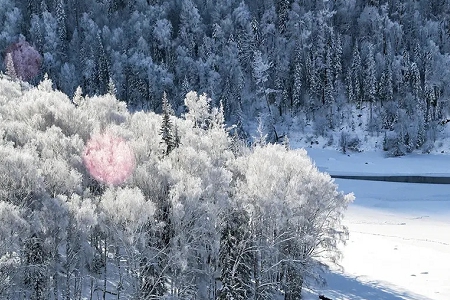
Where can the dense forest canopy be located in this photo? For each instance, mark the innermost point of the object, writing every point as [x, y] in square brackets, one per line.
[196, 213]
[100, 203]
[317, 60]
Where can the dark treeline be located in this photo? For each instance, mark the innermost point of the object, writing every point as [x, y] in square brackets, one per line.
[342, 64]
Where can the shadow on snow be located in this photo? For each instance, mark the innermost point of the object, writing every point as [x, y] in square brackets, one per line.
[340, 286]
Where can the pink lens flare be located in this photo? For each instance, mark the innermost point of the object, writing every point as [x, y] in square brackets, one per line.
[109, 159]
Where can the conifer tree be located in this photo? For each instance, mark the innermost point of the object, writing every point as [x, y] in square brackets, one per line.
[61, 23]
[350, 89]
[369, 83]
[356, 75]
[244, 35]
[385, 89]
[166, 131]
[337, 59]
[112, 87]
[10, 70]
[406, 74]
[415, 81]
[298, 81]
[329, 89]
[428, 88]
[102, 69]
[282, 9]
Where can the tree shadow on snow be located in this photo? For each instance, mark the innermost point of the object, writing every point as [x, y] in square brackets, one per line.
[340, 286]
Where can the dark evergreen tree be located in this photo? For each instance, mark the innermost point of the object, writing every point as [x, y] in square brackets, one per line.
[244, 35]
[282, 9]
[235, 256]
[370, 83]
[415, 81]
[356, 68]
[167, 130]
[61, 23]
[36, 275]
[329, 101]
[350, 89]
[102, 68]
[385, 88]
[297, 91]
[405, 82]
[337, 60]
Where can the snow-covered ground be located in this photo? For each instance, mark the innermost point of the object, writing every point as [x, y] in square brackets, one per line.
[376, 163]
[399, 245]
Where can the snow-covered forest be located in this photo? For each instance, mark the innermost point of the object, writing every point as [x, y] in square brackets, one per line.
[378, 66]
[100, 203]
[118, 181]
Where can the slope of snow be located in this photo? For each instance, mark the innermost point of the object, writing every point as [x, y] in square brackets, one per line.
[399, 245]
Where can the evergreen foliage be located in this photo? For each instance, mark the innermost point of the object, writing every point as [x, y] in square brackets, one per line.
[168, 134]
[276, 58]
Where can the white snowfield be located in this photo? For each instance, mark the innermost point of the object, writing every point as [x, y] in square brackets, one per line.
[399, 245]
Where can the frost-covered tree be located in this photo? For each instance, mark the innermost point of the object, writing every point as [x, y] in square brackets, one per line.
[108, 158]
[349, 83]
[244, 34]
[329, 89]
[369, 81]
[202, 222]
[356, 68]
[297, 89]
[385, 88]
[272, 221]
[261, 67]
[337, 59]
[190, 26]
[163, 33]
[11, 20]
[261, 75]
[9, 66]
[61, 22]
[12, 234]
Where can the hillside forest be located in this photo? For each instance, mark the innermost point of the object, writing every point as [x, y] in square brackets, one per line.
[380, 67]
